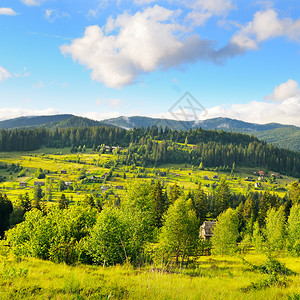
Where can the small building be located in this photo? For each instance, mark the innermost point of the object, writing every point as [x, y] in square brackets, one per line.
[107, 148]
[257, 184]
[40, 183]
[68, 183]
[162, 174]
[177, 175]
[215, 177]
[248, 178]
[275, 175]
[119, 187]
[261, 178]
[63, 172]
[206, 230]
[104, 188]
[23, 184]
[261, 173]
[205, 177]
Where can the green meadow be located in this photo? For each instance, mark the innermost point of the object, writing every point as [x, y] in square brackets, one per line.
[213, 277]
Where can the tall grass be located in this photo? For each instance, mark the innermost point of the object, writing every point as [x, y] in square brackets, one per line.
[212, 278]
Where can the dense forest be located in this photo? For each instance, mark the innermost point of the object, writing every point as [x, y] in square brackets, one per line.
[214, 148]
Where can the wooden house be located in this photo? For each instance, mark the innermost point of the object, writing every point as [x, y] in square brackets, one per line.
[40, 183]
[206, 230]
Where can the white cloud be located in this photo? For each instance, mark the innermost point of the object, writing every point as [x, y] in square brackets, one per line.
[109, 102]
[25, 73]
[144, 42]
[284, 91]
[101, 116]
[33, 2]
[15, 112]
[266, 25]
[202, 10]
[7, 11]
[4, 74]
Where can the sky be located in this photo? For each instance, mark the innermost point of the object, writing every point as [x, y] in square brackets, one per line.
[179, 59]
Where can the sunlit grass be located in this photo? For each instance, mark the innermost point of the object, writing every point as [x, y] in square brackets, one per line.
[215, 277]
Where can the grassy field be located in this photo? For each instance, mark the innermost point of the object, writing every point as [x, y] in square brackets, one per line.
[214, 277]
[53, 161]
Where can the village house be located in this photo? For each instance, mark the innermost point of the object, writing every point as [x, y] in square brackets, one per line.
[205, 177]
[104, 188]
[63, 172]
[215, 177]
[68, 183]
[40, 183]
[23, 184]
[119, 187]
[162, 174]
[248, 178]
[257, 184]
[261, 173]
[206, 230]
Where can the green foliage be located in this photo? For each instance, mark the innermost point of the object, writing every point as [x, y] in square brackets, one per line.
[275, 229]
[225, 233]
[222, 196]
[53, 236]
[108, 240]
[179, 235]
[293, 230]
[6, 209]
[295, 193]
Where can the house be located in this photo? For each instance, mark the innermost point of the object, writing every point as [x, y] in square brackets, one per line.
[206, 230]
[248, 178]
[63, 172]
[215, 177]
[205, 177]
[177, 175]
[257, 184]
[162, 174]
[261, 173]
[23, 184]
[68, 183]
[261, 178]
[119, 187]
[40, 183]
[275, 175]
[107, 148]
[104, 188]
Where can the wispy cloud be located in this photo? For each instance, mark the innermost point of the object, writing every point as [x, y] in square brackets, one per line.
[53, 14]
[4, 74]
[15, 112]
[33, 2]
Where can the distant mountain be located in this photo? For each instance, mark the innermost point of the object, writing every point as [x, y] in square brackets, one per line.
[284, 136]
[33, 121]
[52, 122]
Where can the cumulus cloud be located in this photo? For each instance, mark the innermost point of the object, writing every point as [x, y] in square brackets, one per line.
[265, 25]
[101, 116]
[285, 90]
[33, 2]
[4, 74]
[129, 45]
[14, 112]
[7, 11]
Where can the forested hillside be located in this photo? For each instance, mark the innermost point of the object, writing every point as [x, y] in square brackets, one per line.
[212, 148]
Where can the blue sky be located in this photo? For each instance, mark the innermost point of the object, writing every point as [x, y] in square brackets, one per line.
[101, 59]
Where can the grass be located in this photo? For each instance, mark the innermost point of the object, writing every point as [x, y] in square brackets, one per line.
[56, 160]
[214, 277]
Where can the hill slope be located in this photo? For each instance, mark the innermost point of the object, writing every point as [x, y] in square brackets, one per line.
[284, 136]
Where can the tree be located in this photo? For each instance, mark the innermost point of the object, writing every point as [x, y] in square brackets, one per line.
[295, 193]
[293, 230]
[6, 208]
[275, 229]
[159, 202]
[174, 193]
[108, 241]
[63, 202]
[180, 231]
[38, 195]
[223, 196]
[199, 201]
[225, 233]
